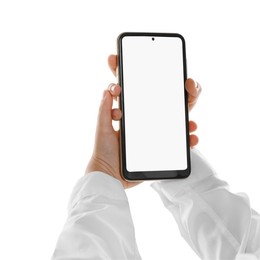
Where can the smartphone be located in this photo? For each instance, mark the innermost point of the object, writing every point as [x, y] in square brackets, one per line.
[154, 129]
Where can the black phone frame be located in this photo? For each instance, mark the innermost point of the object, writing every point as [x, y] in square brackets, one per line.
[150, 175]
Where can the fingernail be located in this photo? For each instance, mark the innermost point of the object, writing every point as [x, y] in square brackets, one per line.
[196, 84]
[111, 87]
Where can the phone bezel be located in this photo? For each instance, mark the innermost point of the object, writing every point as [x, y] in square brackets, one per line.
[150, 175]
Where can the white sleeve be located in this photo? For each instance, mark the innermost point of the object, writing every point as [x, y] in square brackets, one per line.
[216, 223]
[99, 224]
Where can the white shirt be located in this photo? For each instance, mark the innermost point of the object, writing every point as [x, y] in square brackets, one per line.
[216, 223]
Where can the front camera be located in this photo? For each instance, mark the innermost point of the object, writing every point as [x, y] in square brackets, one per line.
[153, 39]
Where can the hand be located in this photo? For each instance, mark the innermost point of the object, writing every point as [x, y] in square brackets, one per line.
[105, 157]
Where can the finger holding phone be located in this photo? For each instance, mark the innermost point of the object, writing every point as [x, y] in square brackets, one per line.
[106, 155]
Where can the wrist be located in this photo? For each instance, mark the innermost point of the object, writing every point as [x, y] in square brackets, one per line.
[97, 164]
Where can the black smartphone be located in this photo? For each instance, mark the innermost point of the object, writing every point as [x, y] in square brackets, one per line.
[154, 129]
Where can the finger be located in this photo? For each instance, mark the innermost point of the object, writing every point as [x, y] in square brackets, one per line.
[194, 89]
[116, 114]
[194, 140]
[112, 63]
[104, 118]
[192, 126]
[114, 90]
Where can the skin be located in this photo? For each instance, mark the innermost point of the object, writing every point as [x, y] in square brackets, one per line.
[106, 157]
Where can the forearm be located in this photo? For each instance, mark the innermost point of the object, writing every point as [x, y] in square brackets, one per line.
[99, 224]
[216, 223]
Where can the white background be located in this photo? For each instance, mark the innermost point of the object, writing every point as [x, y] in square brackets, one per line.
[53, 70]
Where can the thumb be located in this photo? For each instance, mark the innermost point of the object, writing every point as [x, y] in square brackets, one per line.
[104, 117]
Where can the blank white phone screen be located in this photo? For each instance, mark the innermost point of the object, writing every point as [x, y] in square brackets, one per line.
[154, 100]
